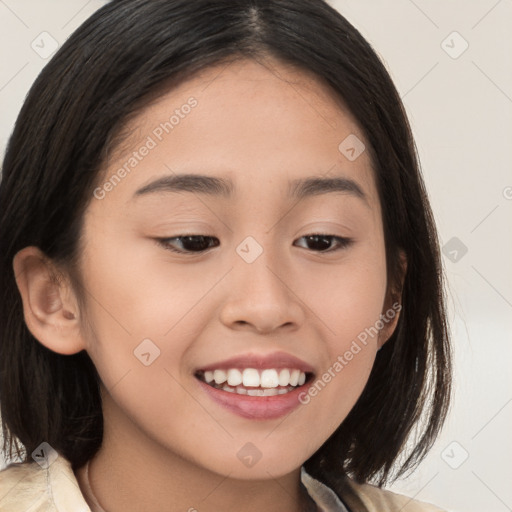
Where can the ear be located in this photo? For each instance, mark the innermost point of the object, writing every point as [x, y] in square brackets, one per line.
[392, 304]
[49, 303]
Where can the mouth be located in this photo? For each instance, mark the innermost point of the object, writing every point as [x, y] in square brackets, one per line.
[255, 382]
[256, 387]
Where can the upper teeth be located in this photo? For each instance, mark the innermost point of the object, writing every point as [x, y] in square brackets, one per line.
[250, 377]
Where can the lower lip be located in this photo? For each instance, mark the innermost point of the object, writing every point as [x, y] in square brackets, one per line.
[255, 407]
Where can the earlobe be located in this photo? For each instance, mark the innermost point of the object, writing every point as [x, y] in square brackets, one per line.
[49, 304]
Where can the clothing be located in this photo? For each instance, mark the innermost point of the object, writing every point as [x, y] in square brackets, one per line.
[29, 488]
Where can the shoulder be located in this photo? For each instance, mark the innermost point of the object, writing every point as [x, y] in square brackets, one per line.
[380, 500]
[23, 486]
[28, 486]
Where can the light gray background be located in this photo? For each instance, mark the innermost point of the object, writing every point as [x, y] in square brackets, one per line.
[460, 108]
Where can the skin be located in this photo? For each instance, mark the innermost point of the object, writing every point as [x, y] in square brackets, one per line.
[166, 443]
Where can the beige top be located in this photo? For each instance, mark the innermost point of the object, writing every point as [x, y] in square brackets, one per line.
[28, 487]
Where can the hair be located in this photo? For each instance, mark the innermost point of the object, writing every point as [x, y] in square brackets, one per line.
[125, 55]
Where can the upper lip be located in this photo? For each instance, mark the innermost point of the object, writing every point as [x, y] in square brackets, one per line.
[260, 362]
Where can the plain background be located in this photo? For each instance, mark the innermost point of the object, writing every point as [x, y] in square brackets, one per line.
[452, 64]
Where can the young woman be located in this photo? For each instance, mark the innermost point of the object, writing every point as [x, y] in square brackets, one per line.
[220, 279]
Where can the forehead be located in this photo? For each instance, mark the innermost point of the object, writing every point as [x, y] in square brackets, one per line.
[250, 121]
[244, 83]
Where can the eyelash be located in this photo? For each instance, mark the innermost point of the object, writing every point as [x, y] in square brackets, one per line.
[343, 242]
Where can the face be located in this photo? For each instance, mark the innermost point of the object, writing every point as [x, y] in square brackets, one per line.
[243, 271]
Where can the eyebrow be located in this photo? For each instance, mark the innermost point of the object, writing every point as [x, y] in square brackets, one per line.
[210, 185]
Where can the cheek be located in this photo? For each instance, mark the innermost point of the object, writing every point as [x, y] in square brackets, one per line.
[335, 391]
[348, 298]
[349, 302]
[144, 287]
[351, 347]
[143, 310]
[132, 293]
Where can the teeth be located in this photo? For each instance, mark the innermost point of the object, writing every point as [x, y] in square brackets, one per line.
[234, 377]
[268, 379]
[220, 376]
[257, 392]
[284, 377]
[294, 377]
[251, 378]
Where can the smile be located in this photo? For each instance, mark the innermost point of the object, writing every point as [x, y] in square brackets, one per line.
[256, 386]
[254, 382]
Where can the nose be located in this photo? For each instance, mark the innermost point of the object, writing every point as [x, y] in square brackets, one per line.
[260, 297]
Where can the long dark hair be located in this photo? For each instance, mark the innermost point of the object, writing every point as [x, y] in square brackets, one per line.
[130, 52]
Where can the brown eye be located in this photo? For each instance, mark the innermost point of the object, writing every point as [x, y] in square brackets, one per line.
[189, 243]
[325, 243]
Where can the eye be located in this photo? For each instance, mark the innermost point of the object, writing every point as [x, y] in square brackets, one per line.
[189, 243]
[201, 243]
[324, 243]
